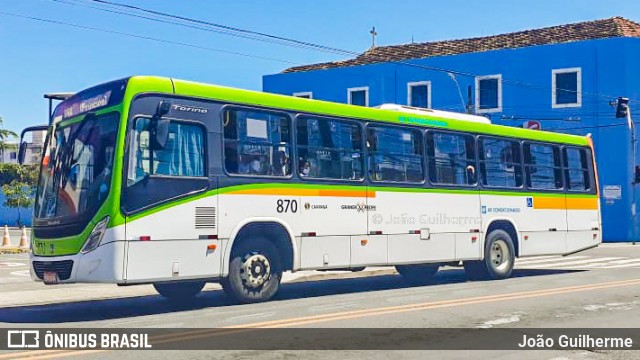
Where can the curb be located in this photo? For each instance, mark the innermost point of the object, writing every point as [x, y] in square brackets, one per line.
[342, 275]
[13, 250]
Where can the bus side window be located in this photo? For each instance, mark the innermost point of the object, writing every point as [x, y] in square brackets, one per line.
[543, 169]
[257, 142]
[451, 158]
[500, 162]
[329, 149]
[395, 154]
[576, 162]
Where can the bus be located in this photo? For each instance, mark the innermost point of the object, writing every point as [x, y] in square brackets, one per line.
[151, 180]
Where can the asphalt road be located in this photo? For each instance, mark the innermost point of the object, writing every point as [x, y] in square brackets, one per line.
[596, 288]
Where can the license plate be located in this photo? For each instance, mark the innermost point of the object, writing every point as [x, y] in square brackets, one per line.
[50, 277]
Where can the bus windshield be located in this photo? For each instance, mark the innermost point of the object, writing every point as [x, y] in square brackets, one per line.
[76, 171]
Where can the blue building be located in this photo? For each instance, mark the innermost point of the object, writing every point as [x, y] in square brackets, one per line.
[561, 78]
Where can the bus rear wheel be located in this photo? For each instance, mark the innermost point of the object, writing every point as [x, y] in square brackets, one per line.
[255, 272]
[179, 291]
[419, 274]
[499, 258]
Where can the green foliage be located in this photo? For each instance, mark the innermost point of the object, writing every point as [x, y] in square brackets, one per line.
[18, 185]
[18, 194]
[24, 173]
[5, 134]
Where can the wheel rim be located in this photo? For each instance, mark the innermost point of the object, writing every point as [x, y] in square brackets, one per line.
[500, 257]
[256, 270]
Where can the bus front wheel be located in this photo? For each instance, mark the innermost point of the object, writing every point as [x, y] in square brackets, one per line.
[179, 291]
[420, 274]
[499, 258]
[255, 272]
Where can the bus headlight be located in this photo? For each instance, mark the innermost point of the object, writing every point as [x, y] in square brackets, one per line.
[96, 236]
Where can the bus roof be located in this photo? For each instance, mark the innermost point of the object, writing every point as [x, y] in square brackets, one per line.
[140, 84]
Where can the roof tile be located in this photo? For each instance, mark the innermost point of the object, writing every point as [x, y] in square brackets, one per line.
[590, 30]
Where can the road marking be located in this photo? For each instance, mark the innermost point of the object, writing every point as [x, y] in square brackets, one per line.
[20, 273]
[248, 316]
[625, 261]
[346, 315]
[556, 258]
[567, 263]
[11, 264]
[501, 321]
[606, 266]
[534, 258]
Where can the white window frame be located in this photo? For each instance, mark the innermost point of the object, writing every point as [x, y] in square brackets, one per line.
[555, 72]
[362, 88]
[477, 104]
[410, 86]
[304, 93]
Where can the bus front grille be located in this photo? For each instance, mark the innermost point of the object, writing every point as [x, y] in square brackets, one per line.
[62, 268]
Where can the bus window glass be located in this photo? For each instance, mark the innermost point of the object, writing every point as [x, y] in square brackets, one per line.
[329, 149]
[577, 169]
[395, 154]
[543, 169]
[451, 158]
[500, 163]
[257, 143]
[182, 155]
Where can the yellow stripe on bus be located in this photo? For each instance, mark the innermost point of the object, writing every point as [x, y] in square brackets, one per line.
[560, 203]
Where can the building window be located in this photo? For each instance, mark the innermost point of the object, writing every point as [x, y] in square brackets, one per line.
[489, 93]
[419, 94]
[500, 164]
[304, 94]
[566, 87]
[13, 155]
[329, 149]
[452, 158]
[257, 143]
[542, 165]
[358, 96]
[395, 154]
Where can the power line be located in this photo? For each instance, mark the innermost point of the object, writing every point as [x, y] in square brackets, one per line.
[228, 28]
[171, 22]
[144, 37]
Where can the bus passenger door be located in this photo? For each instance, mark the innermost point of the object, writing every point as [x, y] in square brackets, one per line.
[543, 223]
[583, 220]
[172, 220]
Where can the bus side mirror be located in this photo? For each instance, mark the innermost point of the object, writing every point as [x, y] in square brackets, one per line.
[160, 125]
[160, 132]
[22, 152]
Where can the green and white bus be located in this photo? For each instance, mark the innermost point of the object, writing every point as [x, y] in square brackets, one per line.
[150, 180]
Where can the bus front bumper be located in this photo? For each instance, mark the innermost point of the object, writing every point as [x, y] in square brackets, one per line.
[105, 264]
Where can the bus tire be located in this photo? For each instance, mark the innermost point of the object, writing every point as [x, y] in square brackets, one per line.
[179, 291]
[255, 272]
[499, 258]
[419, 274]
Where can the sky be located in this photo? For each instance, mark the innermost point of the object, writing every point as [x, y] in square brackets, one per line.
[38, 57]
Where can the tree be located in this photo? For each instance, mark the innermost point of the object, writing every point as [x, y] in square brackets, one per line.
[19, 191]
[5, 134]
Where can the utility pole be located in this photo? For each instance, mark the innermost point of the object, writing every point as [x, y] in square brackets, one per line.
[623, 110]
[373, 37]
[469, 100]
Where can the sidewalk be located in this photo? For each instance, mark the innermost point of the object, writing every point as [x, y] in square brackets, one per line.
[56, 294]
